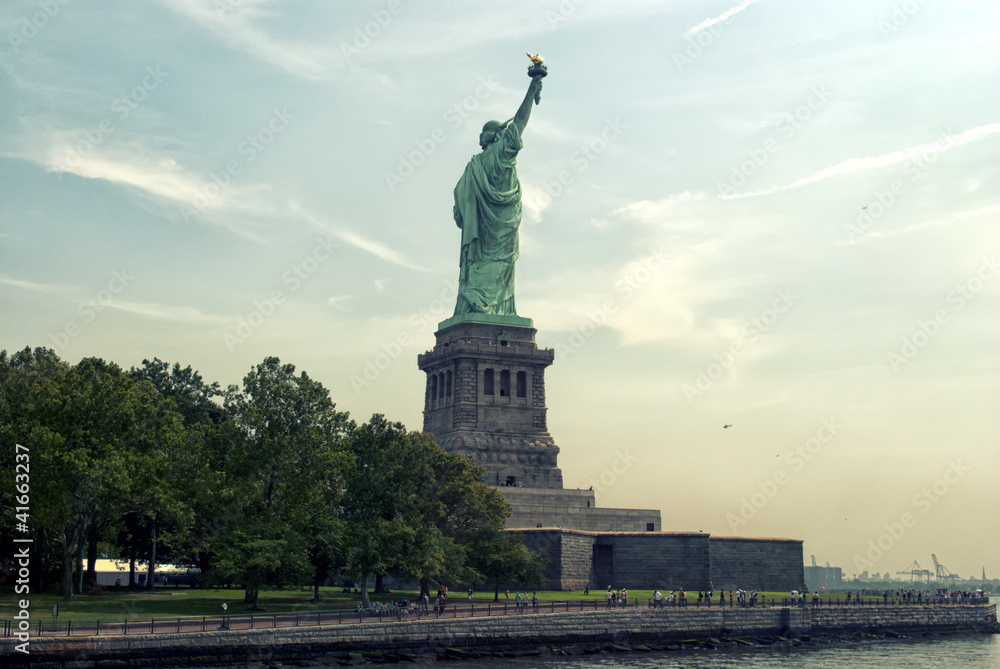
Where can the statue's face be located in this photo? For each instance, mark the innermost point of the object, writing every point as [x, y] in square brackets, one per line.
[489, 133]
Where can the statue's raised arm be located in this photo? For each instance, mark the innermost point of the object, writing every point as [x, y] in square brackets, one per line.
[488, 210]
[524, 111]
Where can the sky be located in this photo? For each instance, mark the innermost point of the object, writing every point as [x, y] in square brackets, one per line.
[779, 216]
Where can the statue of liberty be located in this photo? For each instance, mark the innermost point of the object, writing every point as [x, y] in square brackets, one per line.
[488, 210]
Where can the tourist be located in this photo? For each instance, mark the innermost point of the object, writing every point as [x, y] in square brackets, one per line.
[683, 598]
[517, 601]
[624, 598]
[657, 600]
[607, 596]
[534, 601]
[470, 592]
[507, 593]
[722, 598]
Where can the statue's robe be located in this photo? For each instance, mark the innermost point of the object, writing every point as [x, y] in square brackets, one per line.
[488, 210]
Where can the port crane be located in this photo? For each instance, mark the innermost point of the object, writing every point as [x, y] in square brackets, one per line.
[941, 572]
[916, 573]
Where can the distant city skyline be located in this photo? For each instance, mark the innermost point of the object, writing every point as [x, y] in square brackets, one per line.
[777, 217]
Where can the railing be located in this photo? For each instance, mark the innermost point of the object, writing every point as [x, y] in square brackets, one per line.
[173, 625]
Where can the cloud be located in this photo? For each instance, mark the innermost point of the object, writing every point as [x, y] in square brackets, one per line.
[957, 217]
[137, 166]
[30, 285]
[232, 22]
[724, 16]
[873, 162]
[338, 300]
[377, 249]
[164, 312]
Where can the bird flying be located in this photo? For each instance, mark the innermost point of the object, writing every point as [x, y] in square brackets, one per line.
[725, 426]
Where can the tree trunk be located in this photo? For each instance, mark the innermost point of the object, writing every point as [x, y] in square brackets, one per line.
[42, 575]
[496, 592]
[379, 585]
[364, 591]
[68, 540]
[252, 597]
[81, 548]
[132, 585]
[152, 556]
[91, 576]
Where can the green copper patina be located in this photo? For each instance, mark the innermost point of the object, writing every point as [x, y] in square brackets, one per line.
[488, 210]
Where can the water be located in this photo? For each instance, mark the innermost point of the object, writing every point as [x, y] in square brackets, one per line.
[967, 653]
[975, 652]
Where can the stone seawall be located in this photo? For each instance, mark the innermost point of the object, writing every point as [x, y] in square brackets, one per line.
[488, 635]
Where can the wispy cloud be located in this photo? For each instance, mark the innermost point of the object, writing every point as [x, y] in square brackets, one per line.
[30, 285]
[163, 312]
[724, 16]
[958, 217]
[375, 248]
[873, 162]
[233, 22]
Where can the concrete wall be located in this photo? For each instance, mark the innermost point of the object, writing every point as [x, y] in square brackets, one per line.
[642, 625]
[573, 510]
[569, 554]
[664, 560]
[758, 564]
[644, 560]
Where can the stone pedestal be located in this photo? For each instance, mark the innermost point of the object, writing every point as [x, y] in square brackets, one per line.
[485, 397]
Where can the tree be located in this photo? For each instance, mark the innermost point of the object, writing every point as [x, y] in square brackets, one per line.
[195, 465]
[413, 509]
[283, 474]
[503, 558]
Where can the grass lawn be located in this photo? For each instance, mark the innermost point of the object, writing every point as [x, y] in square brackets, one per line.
[178, 602]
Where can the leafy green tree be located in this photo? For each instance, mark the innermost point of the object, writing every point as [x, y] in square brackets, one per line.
[413, 509]
[195, 465]
[282, 476]
[503, 558]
